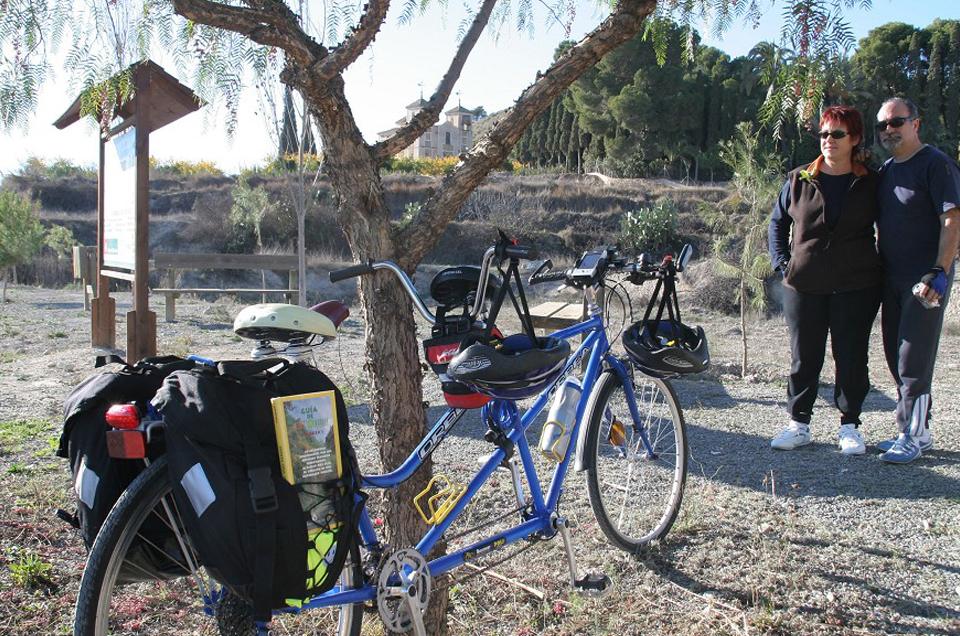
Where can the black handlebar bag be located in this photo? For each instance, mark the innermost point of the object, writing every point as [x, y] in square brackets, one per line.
[244, 519]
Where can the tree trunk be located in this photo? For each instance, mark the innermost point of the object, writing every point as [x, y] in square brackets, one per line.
[392, 357]
[743, 325]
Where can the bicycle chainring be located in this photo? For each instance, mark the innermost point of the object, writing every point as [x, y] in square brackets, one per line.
[401, 573]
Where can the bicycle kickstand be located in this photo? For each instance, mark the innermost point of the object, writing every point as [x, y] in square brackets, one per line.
[591, 585]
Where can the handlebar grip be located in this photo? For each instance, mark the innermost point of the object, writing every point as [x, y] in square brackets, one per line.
[338, 275]
[548, 277]
[525, 252]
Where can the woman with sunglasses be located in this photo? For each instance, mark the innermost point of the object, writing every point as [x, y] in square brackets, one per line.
[822, 241]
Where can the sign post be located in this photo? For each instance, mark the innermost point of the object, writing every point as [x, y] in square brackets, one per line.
[123, 201]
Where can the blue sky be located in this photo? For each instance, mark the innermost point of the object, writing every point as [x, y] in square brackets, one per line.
[388, 78]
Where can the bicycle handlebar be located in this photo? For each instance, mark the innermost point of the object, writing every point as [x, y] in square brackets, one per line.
[548, 277]
[368, 268]
[638, 272]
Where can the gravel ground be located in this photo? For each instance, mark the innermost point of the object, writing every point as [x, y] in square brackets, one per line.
[805, 542]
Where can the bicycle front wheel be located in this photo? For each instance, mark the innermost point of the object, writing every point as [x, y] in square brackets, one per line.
[635, 488]
[143, 577]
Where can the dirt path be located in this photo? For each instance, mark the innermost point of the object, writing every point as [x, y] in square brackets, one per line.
[807, 542]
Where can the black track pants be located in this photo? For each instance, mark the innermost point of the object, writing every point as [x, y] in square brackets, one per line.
[848, 318]
[911, 335]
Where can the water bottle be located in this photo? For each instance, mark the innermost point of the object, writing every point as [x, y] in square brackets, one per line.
[918, 294]
[560, 421]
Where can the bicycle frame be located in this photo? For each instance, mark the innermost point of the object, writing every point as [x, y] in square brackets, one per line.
[541, 513]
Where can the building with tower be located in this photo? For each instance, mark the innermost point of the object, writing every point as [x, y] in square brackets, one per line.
[448, 138]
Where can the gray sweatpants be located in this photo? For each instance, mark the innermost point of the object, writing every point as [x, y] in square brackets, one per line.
[911, 335]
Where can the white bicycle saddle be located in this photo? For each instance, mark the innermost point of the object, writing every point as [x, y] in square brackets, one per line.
[282, 322]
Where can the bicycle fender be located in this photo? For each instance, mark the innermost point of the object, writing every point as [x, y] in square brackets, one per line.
[579, 464]
[580, 461]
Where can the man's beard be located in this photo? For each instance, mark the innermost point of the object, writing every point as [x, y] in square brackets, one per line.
[891, 142]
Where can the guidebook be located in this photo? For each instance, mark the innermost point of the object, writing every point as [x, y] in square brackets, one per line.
[309, 446]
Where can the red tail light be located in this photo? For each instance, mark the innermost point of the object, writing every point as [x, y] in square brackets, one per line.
[123, 416]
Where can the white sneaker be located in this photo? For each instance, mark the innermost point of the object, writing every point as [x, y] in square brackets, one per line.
[851, 440]
[794, 436]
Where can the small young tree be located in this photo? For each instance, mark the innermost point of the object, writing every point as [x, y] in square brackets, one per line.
[250, 207]
[740, 247]
[21, 235]
[60, 240]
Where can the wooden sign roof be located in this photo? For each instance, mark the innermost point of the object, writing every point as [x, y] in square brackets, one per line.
[169, 100]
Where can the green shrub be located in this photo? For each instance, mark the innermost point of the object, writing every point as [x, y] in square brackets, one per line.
[650, 229]
[429, 167]
[35, 167]
[185, 168]
[288, 163]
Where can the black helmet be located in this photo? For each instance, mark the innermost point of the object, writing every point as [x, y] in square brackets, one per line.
[668, 347]
[514, 368]
[455, 286]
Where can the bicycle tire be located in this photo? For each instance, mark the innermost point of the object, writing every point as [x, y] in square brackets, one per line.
[107, 604]
[635, 498]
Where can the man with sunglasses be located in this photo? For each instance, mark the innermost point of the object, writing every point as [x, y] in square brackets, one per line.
[918, 234]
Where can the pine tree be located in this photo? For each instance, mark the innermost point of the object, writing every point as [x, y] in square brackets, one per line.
[931, 114]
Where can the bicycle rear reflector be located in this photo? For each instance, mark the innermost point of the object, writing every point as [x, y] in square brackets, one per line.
[123, 416]
[123, 444]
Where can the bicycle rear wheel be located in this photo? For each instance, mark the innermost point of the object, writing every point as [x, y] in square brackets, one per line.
[635, 494]
[142, 540]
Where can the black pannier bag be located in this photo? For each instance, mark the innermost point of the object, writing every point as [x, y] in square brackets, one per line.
[98, 479]
[244, 519]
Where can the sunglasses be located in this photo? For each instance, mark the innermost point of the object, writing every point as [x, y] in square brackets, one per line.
[893, 122]
[836, 134]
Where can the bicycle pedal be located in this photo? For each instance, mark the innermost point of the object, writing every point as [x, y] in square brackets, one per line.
[594, 586]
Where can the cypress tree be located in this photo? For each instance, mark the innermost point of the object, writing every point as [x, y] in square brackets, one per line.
[933, 102]
[951, 92]
[552, 133]
[915, 69]
[289, 140]
[309, 142]
[565, 136]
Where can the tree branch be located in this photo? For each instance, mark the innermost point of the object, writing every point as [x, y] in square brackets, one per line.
[423, 120]
[622, 25]
[272, 24]
[353, 47]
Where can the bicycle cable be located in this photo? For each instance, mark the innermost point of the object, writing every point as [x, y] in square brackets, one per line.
[488, 523]
[480, 569]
